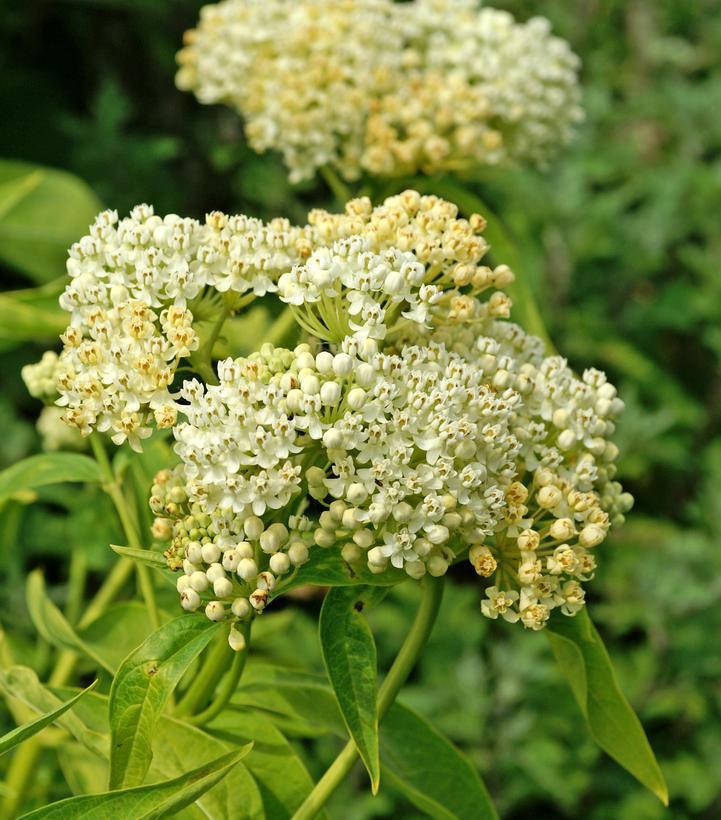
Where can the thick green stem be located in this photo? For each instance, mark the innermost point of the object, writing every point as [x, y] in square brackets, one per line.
[229, 684]
[431, 594]
[206, 681]
[112, 488]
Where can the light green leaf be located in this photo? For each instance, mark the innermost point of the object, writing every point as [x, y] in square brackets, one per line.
[119, 630]
[42, 212]
[22, 683]
[349, 653]
[429, 770]
[326, 567]
[47, 468]
[613, 724]
[179, 747]
[141, 688]
[147, 557]
[21, 733]
[52, 624]
[271, 754]
[144, 802]
[25, 320]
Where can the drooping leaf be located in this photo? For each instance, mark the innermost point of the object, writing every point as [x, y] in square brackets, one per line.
[21, 733]
[141, 688]
[349, 653]
[22, 683]
[42, 212]
[429, 770]
[144, 802]
[47, 468]
[613, 724]
[52, 624]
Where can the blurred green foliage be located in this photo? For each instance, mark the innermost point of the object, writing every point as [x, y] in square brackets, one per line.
[621, 240]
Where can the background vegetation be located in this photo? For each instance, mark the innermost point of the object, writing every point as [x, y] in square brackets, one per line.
[621, 239]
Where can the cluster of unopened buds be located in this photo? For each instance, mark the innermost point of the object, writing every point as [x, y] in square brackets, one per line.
[383, 87]
[412, 425]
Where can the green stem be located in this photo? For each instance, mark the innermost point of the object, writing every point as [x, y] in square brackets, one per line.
[230, 683]
[112, 488]
[431, 594]
[279, 331]
[340, 190]
[206, 681]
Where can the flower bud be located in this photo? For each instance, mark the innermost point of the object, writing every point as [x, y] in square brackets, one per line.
[548, 497]
[298, 553]
[189, 599]
[198, 581]
[247, 569]
[253, 527]
[215, 611]
[240, 608]
[222, 588]
[562, 529]
[236, 639]
[279, 563]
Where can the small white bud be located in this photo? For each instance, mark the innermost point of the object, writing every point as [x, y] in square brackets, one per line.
[437, 566]
[437, 534]
[182, 583]
[215, 611]
[194, 552]
[416, 569]
[364, 538]
[231, 559]
[562, 529]
[279, 563]
[190, 600]
[376, 558]
[333, 439]
[342, 364]
[214, 572]
[247, 569]
[236, 639]
[324, 362]
[222, 588]
[211, 553]
[364, 375]
[198, 581]
[298, 553]
[351, 552]
[253, 527]
[548, 497]
[330, 393]
[240, 608]
[310, 385]
[259, 599]
[356, 494]
[265, 580]
[356, 398]
[245, 550]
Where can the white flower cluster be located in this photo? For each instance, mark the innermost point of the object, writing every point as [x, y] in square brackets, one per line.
[134, 284]
[40, 377]
[383, 87]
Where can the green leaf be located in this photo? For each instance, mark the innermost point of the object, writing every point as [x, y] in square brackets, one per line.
[47, 468]
[148, 557]
[119, 630]
[22, 683]
[429, 770]
[179, 747]
[42, 212]
[326, 567]
[21, 733]
[349, 653]
[52, 624]
[27, 320]
[613, 724]
[141, 688]
[144, 802]
[272, 753]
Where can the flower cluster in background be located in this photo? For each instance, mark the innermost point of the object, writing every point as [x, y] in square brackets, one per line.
[382, 87]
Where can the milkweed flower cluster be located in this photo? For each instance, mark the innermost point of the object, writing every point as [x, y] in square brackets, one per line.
[414, 424]
[383, 87]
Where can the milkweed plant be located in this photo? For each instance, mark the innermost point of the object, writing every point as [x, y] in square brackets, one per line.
[403, 418]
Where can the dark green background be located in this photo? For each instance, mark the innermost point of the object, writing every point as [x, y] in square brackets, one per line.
[621, 238]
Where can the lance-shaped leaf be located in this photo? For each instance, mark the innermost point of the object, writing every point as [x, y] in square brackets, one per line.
[613, 724]
[428, 769]
[42, 212]
[349, 653]
[141, 688]
[32, 727]
[144, 802]
[148, 557]
[52, 624]
[47, 468]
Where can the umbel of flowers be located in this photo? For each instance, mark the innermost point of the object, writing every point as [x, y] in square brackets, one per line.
[411, 426]
[383, 87]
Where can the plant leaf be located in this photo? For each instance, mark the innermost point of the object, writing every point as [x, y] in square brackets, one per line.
[25, 319]
[272, 753]
[141, 688]
[613, 724]
[429, 770]
[144, 802]
[47, 468]
[349, 653]
[21, 733]
[42, 212]
[52, 624]
[150, 558]
[22, 683]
